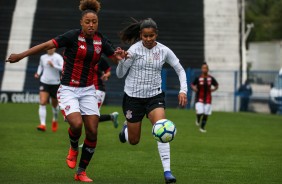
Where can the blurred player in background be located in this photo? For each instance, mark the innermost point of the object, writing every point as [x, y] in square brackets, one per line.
[102, 74]
[50, 66]
[143, 94]
[204, 85]
[76, 94]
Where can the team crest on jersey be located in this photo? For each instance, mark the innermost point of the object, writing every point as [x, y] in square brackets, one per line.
[98, 50]
[128, 114]
[156, 56]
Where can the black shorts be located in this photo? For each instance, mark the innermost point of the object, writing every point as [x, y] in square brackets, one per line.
[134, 109]
[51, 89]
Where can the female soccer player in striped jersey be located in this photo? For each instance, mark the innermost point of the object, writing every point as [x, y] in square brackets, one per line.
[76, 94]
[143, 94]
[202, 85]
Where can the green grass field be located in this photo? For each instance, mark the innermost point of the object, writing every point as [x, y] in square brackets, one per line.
[238, 148]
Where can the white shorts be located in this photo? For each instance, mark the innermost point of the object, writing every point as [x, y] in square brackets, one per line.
[78, 99]
[202, 108]
[100, 97]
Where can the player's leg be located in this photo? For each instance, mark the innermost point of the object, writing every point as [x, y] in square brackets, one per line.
[155, 112]
[207, 112]
[43, 97]
[55, 108]
[89, 145]
[69, 105]
[134, 111]
[90, 114]
[106, 117]
[199, 112]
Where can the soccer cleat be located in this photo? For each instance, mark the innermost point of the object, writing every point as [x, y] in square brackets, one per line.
[54, 126]
[122, 134]
[169, 178]
[41, 128]
[202, 130]
[82, 177]
[72, 158]
[197, 123]
[114, 116]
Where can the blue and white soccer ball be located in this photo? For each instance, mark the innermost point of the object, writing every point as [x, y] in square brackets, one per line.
[164, 130]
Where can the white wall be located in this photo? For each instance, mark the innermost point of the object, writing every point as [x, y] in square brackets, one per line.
[265, 55]
[222, 46]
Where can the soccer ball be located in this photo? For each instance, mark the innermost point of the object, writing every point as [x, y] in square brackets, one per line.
[164, 130]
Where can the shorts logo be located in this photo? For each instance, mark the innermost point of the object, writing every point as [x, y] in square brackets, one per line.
[128, 114]
[67, 107]
[41, 88]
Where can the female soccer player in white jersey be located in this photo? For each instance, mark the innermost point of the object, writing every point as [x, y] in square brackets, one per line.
[143, 94]
[50, 66]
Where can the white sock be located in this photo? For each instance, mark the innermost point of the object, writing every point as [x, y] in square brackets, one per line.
[164, 151]
[42, 114]
[55, 113]
[126, 134]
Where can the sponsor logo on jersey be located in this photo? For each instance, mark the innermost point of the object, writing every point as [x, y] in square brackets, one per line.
[82, 47]
[81, 39]
[97, 42]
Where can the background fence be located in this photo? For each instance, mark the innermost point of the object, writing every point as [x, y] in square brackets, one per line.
[224, 99]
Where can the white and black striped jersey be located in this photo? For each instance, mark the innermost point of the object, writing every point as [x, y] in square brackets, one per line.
[50, 75]
[145, 65]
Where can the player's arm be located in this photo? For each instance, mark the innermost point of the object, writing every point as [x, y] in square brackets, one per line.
[124, 65]
[13, 58]
[39, 69]
[194, 85]
[59, 63]
[106, 75]
[215, 85]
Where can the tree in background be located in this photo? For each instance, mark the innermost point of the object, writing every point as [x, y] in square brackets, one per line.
[265, 14]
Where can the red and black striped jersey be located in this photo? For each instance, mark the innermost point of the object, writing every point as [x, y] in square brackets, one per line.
[100, 68]
[203, 84]
[81, 55]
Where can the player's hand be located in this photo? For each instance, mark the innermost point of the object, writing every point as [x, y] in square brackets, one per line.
[50, 63]
[104, 77]
[13, 58]
[120, 54]
[182, 99]
[36, 76]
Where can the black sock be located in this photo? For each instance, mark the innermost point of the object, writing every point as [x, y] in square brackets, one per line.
[74, 139]
[105, 117]
[88, 150]
[199, 118]
[204, 121]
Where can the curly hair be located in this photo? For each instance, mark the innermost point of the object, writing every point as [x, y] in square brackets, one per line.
[131, 33]
[87, 6]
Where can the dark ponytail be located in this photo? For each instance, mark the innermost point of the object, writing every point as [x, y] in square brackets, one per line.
[131, 33]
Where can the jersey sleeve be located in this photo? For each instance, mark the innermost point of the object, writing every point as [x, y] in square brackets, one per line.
[171, 58]
[103, 65]
[214, 82]
[195, 82]
[64, 40]
[107, 47]
[40, 67]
